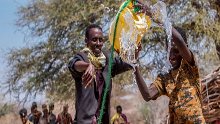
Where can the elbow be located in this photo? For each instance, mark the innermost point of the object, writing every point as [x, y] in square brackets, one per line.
[150, 96]
[147, 99]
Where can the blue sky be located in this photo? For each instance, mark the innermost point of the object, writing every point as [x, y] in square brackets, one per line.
[10, 37]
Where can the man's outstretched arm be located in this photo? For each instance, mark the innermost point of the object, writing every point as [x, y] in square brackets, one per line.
[82, 69]
[81, 66]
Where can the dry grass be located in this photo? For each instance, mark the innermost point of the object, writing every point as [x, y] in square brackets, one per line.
[11, 118]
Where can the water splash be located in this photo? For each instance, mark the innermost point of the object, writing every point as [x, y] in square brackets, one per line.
[133, 78]
[128, 40]
[129, 37]
[159, 13]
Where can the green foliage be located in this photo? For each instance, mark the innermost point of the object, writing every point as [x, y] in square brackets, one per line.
[57, 26]
[6, 108]
[56, 29]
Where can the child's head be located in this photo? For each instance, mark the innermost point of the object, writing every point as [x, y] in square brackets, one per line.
[119, 109]
[23, 114]
[175, 58]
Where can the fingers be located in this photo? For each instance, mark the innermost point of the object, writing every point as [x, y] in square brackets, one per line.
[143, 8]
[139, 47]
[137, 51]
[90, 83]
[88, 76]
[138, 4]
[87, 81]
[146, 5]
[90, 71]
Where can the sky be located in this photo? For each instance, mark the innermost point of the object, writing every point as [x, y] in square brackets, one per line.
[10, 36]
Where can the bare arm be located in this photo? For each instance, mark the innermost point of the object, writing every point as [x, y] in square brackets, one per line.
[81, 66]
[147, 93]
[177, 38]
[182, 46]
[89, 73]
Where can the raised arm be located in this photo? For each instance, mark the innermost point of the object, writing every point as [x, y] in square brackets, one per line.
[177, 38]
[148, 93]
[182, 46]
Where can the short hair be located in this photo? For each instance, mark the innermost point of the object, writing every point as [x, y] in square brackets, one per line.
[23, 112]
[118, 107]
[34, 104]
[90, 27]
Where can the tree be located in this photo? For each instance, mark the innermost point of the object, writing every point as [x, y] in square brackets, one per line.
[57, 27]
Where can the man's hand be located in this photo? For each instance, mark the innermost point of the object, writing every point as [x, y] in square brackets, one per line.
[137, 51]
[144, 8]
[88, 76]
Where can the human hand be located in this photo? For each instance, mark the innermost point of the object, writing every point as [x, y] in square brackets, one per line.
[88, 76]
[143, 8]
[137, 51]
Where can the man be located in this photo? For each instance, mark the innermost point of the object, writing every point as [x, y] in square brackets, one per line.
[64, 117]
[23, 116]
[45, 114]
[52, 116]
[181, 84]
[89, 69]
[35, 115]
[119, 117]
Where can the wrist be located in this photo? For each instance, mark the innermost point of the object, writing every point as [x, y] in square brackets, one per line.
[136, 70]
[135, 65]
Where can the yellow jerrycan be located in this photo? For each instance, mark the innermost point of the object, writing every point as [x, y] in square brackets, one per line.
[128, 27]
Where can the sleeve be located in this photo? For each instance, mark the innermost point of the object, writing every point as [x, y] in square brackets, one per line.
[160, 84]
[119, 66]
[124, 117]
[74, 72]
[113, 118]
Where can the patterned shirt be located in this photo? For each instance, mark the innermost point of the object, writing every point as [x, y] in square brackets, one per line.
[182, 86]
